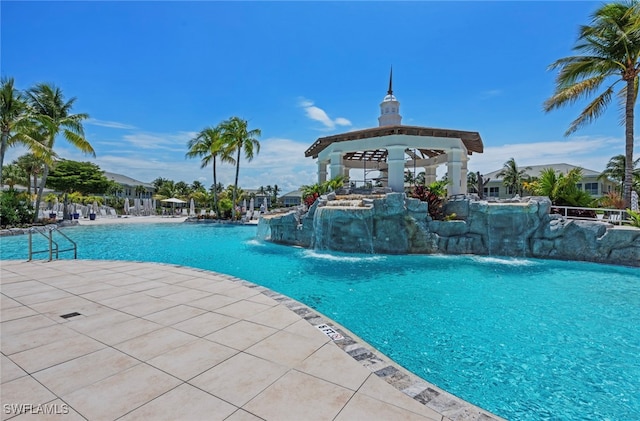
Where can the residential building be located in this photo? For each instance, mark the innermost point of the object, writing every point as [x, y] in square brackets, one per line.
[129, 186]
[293, 198]
[589, 183]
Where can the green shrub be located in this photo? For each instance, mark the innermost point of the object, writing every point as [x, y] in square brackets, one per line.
[635, 218]
[15, 208]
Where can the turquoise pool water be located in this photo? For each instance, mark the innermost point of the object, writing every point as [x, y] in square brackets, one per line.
[525, 339]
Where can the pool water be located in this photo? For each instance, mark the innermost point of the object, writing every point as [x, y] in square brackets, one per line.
[525, 339]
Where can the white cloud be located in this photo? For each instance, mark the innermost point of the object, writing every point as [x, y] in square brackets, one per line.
[175, 142]
[318, 114]
[587, 152]
[490, 93]
[110, 124]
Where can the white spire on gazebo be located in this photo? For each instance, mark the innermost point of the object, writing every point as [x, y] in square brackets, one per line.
[390, 107]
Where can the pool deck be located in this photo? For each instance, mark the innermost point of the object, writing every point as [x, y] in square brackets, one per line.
[165, 342]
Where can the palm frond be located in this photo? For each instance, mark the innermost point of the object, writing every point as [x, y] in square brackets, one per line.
[591, 112]
[571, 94]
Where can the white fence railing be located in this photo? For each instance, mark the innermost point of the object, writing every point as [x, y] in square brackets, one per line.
[613, 216]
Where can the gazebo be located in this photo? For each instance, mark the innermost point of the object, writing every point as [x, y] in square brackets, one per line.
[392, 148]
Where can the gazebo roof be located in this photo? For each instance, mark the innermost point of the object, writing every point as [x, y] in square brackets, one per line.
[471, 140]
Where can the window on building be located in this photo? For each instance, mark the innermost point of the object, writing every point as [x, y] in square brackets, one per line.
[591, 188]
[579, 186]
[492, 191]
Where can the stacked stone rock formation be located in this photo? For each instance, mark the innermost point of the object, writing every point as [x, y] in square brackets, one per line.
[395, 224]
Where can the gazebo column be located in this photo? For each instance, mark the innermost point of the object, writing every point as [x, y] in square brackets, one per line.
[430, 174]
[322, 171]
[336, 166]
[463, 173]
[454, 171]
[395, 162]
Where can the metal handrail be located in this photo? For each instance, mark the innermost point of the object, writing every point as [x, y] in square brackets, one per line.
[614, 216]
[53, 245]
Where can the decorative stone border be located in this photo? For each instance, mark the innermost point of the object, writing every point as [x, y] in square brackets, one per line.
[429, 395]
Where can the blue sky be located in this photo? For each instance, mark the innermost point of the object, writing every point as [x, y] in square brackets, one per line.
[153, 74]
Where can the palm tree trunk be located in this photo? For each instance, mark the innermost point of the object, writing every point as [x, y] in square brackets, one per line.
[3, 147]
[235, 189]
[43, 181]
[215, 190]
[628, 165]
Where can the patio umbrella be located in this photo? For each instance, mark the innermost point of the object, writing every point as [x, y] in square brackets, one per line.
[252, 205]
[173, 201]
[192, 208]
[244, 205]
[126, 206]
[265, 204]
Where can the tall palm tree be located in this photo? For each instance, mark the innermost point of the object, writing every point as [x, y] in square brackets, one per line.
[209, 145]
[53, 115]
[237, 136]
[513, 177]
[14, 121]
[609, 49]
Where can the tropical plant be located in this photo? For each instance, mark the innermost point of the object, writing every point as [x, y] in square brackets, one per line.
[140, 190]
[32, 166]
[561, 189]
[165, 189]
[197, 186]
[84, 177]
[615, 171]
[312, 191]
[236, 135]
[634, 217]
[53, 115]
[609, 49]
[409, 178]
[15, 208]
[611, 200]
[434, 195]
[15, 125]
[513, 177]
[276, 192]
[209, 145]
[472, 182]
[13, 174]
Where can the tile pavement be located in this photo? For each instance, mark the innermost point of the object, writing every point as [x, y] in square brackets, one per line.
[163, 342]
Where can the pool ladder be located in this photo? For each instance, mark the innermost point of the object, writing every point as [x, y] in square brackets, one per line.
[53, 247]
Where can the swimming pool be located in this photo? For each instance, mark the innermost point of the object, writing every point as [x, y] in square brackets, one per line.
[525, 339]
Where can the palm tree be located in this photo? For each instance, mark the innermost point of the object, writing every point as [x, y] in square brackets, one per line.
[197, 186]
[208, 145]
[14, 121]
[32, 166]
[140, 190]
[53, 115]
[237, 136]
[513, 177]
[561, 189]
[13, 174]
[472, 182]
[615, 170]
[609, 48]
[276, 191]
